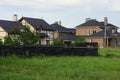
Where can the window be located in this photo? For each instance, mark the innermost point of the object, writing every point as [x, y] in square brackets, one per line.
[90, 40]
[94, 31]
[87, 32]
[47, 42]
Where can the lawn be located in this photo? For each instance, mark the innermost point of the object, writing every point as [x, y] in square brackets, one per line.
[62, 68]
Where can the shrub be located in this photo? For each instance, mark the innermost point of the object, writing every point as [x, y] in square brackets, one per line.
[1, 42]
[58, 42]
[79, 41]
[9, 42]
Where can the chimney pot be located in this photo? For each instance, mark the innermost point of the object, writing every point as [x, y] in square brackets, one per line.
[88, 19]
[105, 21]
[15, 17]
[60, 23]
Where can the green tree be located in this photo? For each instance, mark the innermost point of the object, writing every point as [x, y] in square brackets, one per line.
[13, 37]
[15, 31]
[1, 42]
[9, 42]
[27, 37]
[58, 42]
[79, 40]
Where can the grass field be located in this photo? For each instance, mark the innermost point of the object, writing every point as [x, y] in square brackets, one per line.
[62, 68]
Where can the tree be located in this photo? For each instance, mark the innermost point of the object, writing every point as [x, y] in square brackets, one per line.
[27, 37]
[58, 42]
[9, 42]
[1, 42]
[15, 37]
[15, 31]
[12, 38]
[79, 40]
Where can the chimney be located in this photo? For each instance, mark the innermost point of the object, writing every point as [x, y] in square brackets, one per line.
[59, 23]
[105, 21]
[15, 17]
[56, 23]
[87, 19]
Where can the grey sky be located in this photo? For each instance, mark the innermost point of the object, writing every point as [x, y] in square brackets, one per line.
[70, 12]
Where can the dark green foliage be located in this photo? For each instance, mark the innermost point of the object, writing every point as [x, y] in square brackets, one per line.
[58, 42]
[15, 31]
[9, 42]
[79, 40]
[1, 42]
[28, 38]
[15, 42]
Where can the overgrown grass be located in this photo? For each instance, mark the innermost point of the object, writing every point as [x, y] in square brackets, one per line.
[61, 68]
[106, 51]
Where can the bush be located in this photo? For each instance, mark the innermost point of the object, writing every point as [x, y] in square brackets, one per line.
[9, 42]
[58, 42]
[1, 42]
[79, 41]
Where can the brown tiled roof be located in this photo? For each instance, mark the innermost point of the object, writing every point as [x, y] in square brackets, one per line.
[94, 23]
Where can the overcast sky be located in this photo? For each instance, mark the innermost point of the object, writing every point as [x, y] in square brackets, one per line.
[70, 12]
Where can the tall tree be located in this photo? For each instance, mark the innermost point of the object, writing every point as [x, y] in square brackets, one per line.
[27, 37]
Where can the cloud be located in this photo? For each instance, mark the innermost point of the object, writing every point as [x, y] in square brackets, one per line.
[47, 3]
[55, 4]
[39, 3]
[115, 5]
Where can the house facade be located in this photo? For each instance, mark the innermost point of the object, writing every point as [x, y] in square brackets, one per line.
[104, 33]
[65, 34]
[7, 26]
[41, 27]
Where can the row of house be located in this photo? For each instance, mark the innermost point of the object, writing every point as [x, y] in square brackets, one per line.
[48, 33]
[104, 33]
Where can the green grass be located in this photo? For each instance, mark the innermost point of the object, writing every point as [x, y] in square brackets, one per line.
[105, 51]
[62, 68]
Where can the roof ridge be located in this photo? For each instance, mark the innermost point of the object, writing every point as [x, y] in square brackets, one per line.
[7, 21]
[33, 18]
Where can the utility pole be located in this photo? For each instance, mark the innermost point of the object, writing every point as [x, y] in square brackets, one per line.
[105, 33]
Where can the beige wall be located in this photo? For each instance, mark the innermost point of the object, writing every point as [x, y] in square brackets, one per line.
[50, 37]
[99, 40]
[83, 31]
[3, 33]
[27, 24]
[48, 32]
[56, 34]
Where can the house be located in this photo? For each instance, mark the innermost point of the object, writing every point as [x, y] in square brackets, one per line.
[7, 26]
[65, 34]
[104, 33]
[41, 27]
